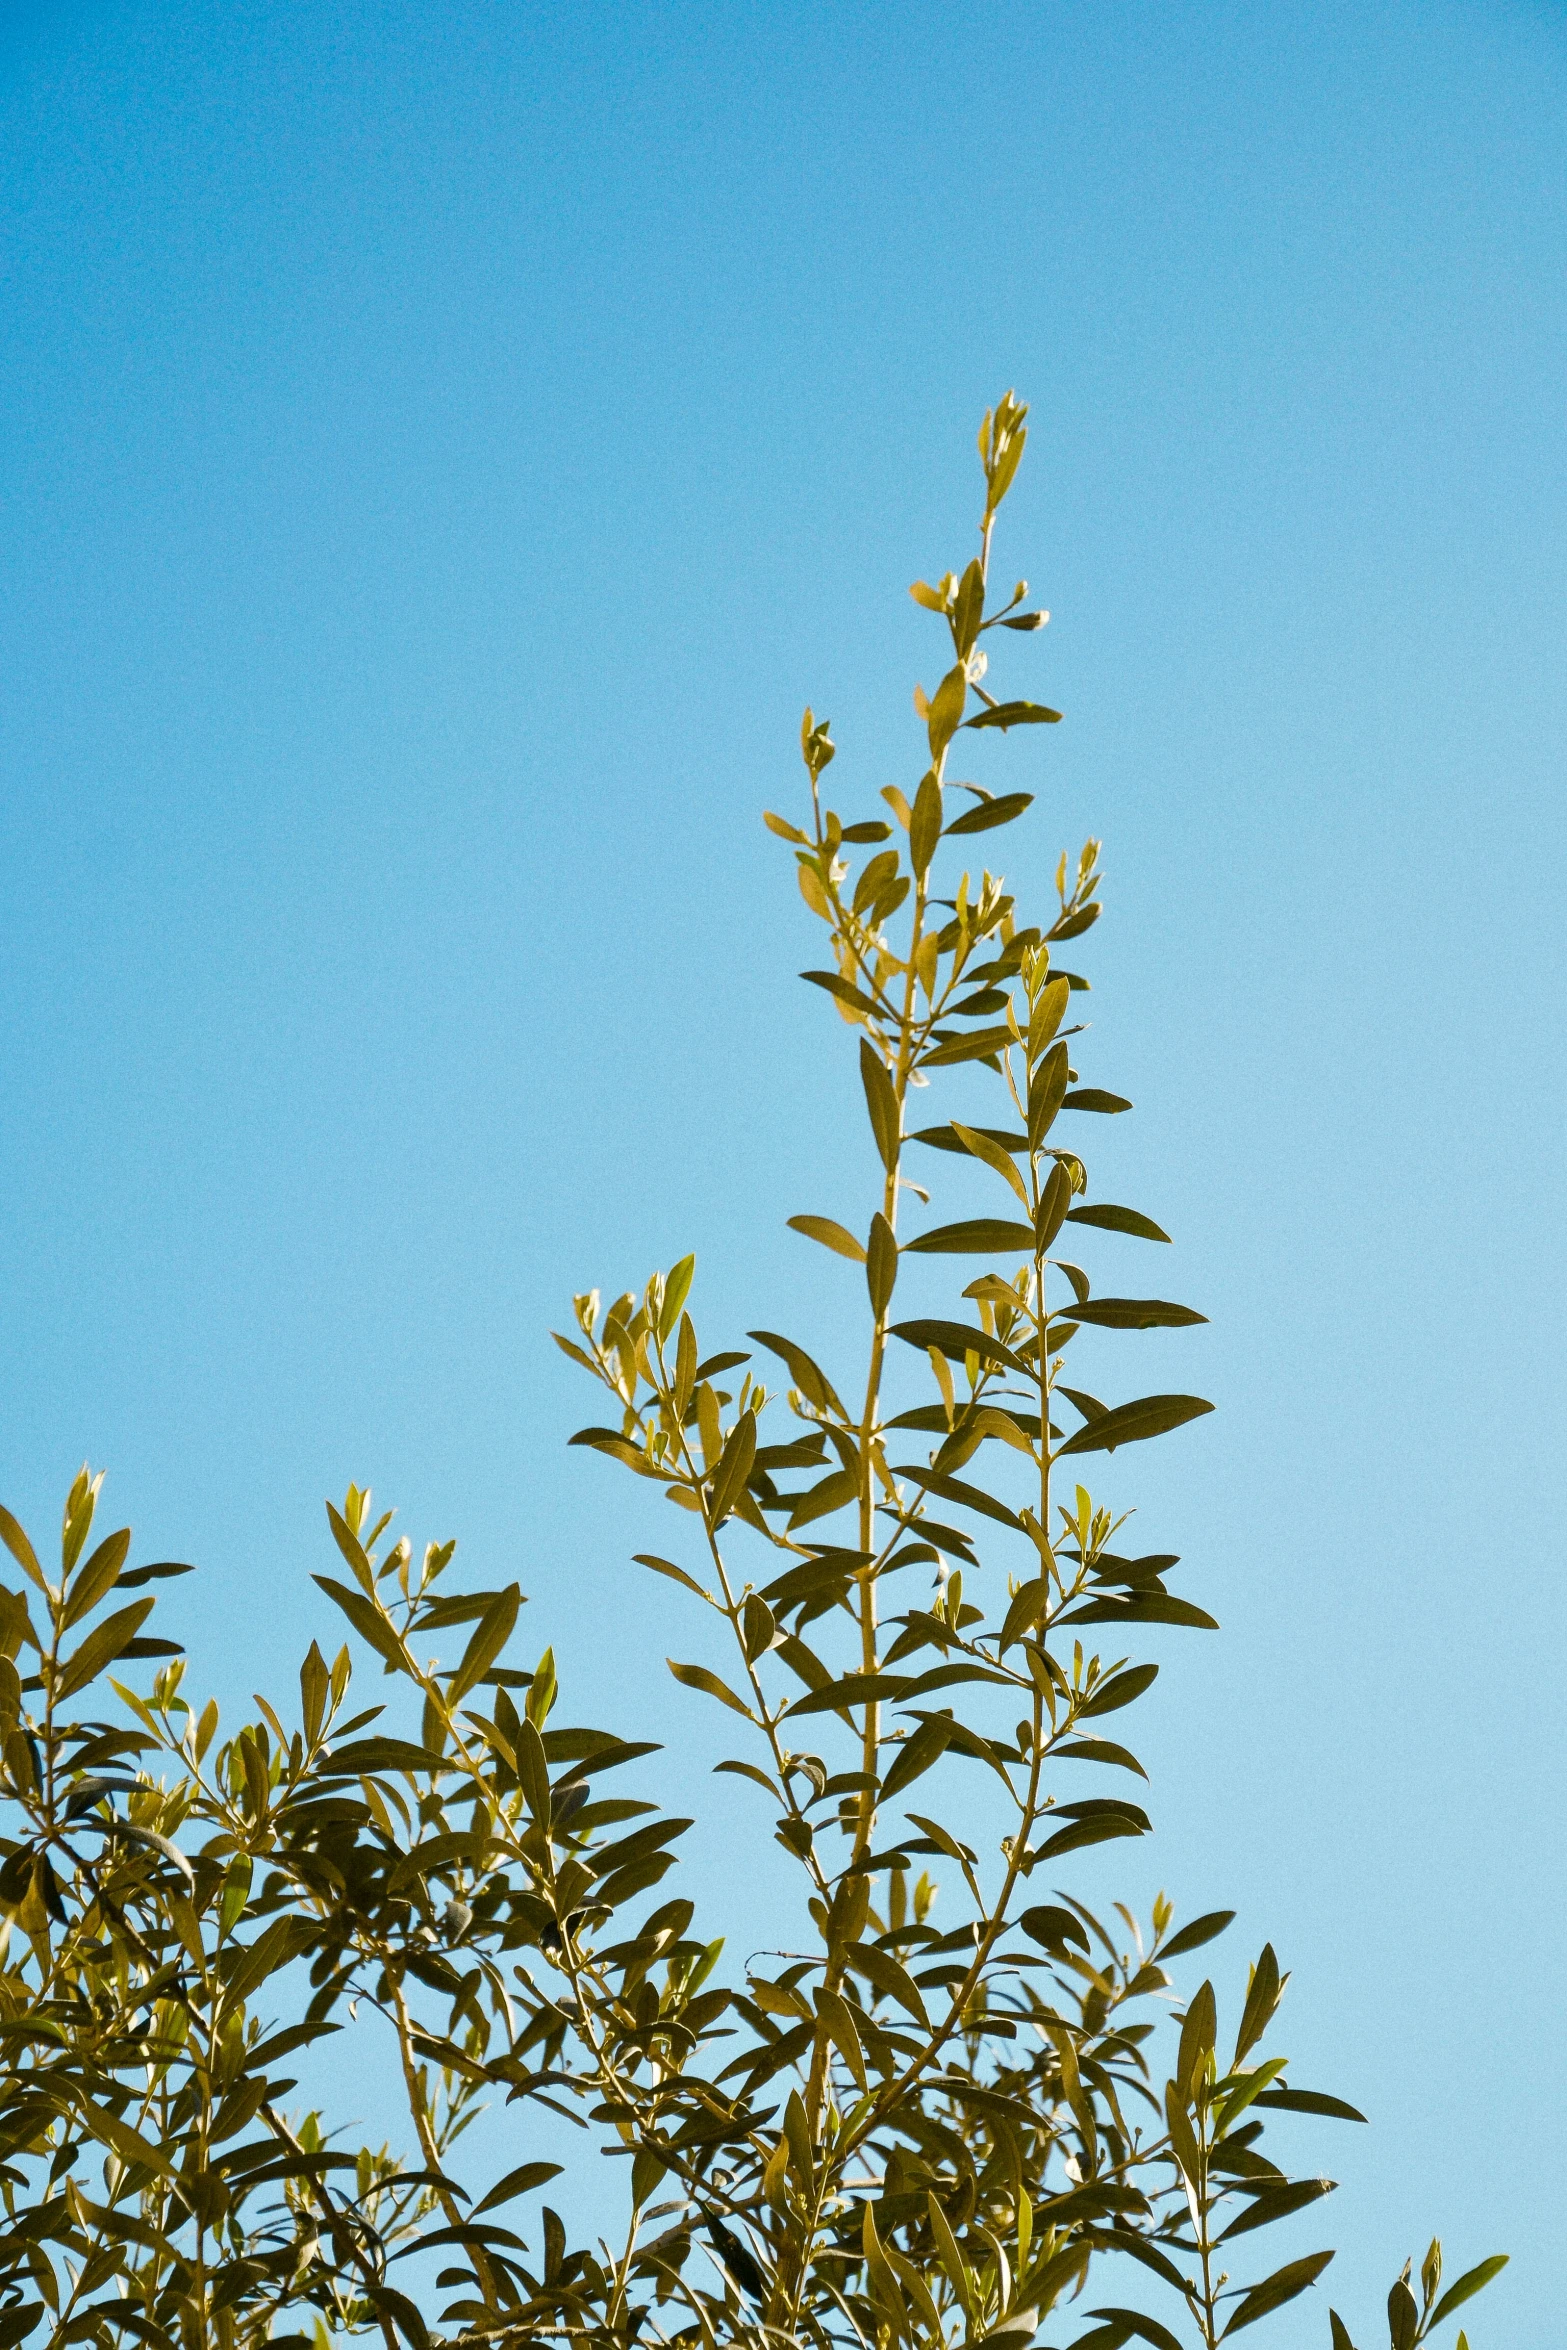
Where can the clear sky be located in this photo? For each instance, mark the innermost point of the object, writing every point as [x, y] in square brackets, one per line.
[443, 449]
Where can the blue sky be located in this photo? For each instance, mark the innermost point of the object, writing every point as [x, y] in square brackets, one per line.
[444, 449]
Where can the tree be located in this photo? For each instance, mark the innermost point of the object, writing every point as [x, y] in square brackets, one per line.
[933, 2128]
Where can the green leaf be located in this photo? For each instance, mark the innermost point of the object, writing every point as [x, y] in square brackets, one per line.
[520, 2181]
[968, 608]
[1473, 2281]
[942, 1838]
[1054, 1928]
[647, 1558]
[1262, 1998]
[745, 1770]
[21, 1549]
[1134, 1423]
[943, 718]
[955, 1340]
[158, 1571]
[911, 1760]
[984, 1144]
[1093, 1821]
[1278, 2203]
[1200, 1930]
[97, 1578]
[1152, 1607]
[1113, 1219]
[1004, 809]
[1090, 1097]
[759, 1627]
[494, 1629]
[127, 2143]
[978, 1236]
[950, 1138]
[1046, 1093]
[677, 1288]
[880, 1968]
[981, 1044]
[734, 1466]
[1131, 1313]
[881, 1264]
[362, 1614]
[1007, 714]
[404, 2313]
[834, 1492]
[533, 1772]
[1120, 1689]
[852, 1689]
[698, 1677]
[812, 1382]
[844, 991]
[1098, 1750]
[352, 1549]
[1272, 2294]
[968, 1497]
[1053, 1202]
[881, 1102]
[101, 1647]
[1199, 2031]
[1127, 2322]
[365, 1755]
[830, 1235]
[622, 1884]
[1311, 2101]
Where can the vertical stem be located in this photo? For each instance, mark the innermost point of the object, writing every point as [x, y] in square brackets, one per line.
[867, 1580]
[421, 2121]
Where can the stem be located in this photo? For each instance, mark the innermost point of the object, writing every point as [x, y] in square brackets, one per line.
[421, 2121]
[342, 2234]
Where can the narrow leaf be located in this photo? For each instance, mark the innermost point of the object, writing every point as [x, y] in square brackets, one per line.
[955, 1340]
[1134, 1423]
[1091, 1097]
[1007, 714]
[1473, 2281]
[978, 1236]
[102, 1645]
[1311, 2101]
[1004, 809]
[843, 990]
[698, 1677]
[830, 1235]
[1113, 1219]
[812, 1382]
[1131, 1313]
[1200, 1930]
[1272, 2294]
[494, 1629]
[881, 1102]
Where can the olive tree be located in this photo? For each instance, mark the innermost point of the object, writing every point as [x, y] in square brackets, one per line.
[941, 2121]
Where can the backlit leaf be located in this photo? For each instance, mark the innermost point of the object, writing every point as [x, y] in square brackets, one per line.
[830, 1235]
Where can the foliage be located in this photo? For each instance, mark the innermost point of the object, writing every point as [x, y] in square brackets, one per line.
[928, 2130]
